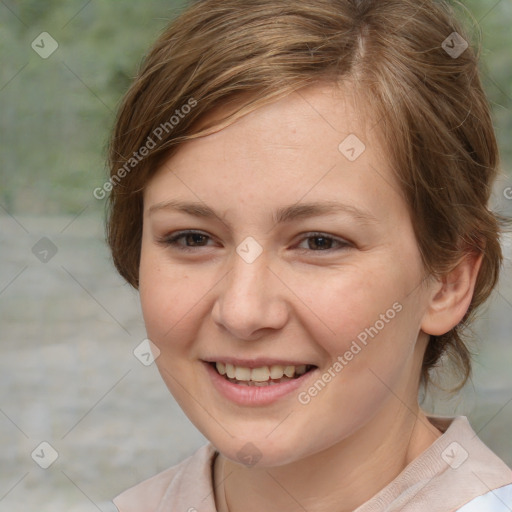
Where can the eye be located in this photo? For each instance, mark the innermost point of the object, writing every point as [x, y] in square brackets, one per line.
[189, 241]
[319, 242]
[185, 240]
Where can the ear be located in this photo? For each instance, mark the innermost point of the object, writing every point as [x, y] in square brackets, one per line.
[452, 296]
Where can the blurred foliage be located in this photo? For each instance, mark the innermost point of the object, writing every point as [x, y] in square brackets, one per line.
[56, 113]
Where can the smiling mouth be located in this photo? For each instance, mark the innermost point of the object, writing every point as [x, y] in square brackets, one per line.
[262, 376]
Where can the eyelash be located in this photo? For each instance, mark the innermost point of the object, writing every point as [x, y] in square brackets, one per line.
[172, 241]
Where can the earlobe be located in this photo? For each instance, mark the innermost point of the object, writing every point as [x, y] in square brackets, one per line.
[452, 296]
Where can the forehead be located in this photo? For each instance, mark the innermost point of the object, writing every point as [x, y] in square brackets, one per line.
[316, 142]
[304, 117]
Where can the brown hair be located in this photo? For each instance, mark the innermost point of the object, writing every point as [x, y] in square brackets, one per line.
[433, 115]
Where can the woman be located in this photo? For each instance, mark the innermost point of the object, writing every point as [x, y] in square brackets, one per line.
[299, 193]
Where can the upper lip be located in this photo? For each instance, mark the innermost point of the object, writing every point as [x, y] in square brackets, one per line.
[255, 363]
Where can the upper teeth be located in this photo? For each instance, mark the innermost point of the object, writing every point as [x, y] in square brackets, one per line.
[261, 374]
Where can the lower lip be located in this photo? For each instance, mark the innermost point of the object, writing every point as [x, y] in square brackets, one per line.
[254, 395]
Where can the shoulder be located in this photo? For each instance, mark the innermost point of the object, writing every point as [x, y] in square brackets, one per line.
[188, 476]
[466, 469]
[498, 500]
[457, 469]
[466, 455]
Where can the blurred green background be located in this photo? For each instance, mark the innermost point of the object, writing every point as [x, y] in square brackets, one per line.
[56, 113]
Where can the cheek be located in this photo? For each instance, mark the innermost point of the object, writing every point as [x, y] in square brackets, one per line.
[343, 306]
[374, 323]
[175, 301]
[165, 295]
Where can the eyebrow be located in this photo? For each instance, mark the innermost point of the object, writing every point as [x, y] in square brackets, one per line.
[280, 216]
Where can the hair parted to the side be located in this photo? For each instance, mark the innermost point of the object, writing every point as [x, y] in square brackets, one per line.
[432, 115]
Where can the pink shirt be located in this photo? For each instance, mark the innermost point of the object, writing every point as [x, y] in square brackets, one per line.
[456, 469]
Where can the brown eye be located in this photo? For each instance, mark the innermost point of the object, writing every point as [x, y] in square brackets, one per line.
[319, 242]
[185, 240]
[195, 239]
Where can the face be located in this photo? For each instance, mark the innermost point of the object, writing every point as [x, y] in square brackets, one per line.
[279, 250]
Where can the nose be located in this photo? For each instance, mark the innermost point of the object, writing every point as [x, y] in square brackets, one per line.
[251, 301]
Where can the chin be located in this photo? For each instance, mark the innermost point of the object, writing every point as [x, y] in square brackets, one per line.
[260, 451]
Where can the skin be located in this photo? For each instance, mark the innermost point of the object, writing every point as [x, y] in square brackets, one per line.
[296, 301]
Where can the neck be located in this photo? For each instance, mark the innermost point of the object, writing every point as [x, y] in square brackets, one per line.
[339, 479]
